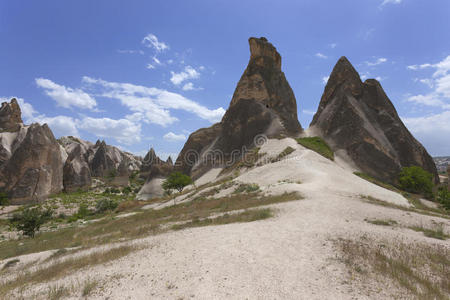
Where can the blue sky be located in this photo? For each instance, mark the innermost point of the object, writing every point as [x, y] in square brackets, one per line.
[143, 74]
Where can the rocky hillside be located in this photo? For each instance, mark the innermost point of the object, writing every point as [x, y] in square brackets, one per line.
[86, 160]
[34, 165]
[31, 160]
[358, 119]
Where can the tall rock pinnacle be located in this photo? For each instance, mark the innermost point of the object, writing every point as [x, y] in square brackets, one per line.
[359, 119]
[263, 103]
[10, 116]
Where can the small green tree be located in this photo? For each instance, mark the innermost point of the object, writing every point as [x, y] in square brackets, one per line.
[30, 220]
[443, 197]
[176, 181]
[416, 180]
[3, 200]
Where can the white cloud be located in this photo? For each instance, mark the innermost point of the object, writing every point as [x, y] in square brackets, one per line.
[172, 137]
[431, 131]
[391, 2]
[320, 55]
[377, 62]
[156, 60]
[333, 45]
[439, 83]
[308, 112]
[188, 73]
[124, 131]
[325, 79]
[60, 125]
[66, 96]
[150, 66]
[151, 41]
[188, 86]
[152, 105]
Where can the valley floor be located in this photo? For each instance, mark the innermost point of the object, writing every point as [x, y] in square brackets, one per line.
[308, 250]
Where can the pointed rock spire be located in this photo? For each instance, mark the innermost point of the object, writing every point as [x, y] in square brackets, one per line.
[360, 119]
[10, 116]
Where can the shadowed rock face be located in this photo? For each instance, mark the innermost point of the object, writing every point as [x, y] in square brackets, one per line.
[263, 103]
[10, 116]
[359, 118]
[34, 169]
[76, 173]
[154, 167]
[100, 158]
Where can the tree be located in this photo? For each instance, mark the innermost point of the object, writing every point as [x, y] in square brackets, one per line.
[30, 220]
[176, 181]
[416, 180]
[443, 197]
[3, 200]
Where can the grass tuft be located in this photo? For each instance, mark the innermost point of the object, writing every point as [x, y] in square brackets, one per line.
[288, 150]
[89, 286]
[435, 233]
[382, 222]
[56, 292]
[318, 145]
[419, 269]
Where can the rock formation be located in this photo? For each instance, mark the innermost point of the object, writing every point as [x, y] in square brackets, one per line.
[154, 170]
[359, 119]
[76, 172]
[263, 103]
[31, 162]
[10, 116]
[99, 159]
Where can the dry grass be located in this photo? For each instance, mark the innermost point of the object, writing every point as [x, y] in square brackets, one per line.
[65, 267]
[427, 212]
[288, 150]
[148, 222]
[382, 222]
[56, 292]
[437, 232]
[245, 216]
[89, 286]
[419, 269]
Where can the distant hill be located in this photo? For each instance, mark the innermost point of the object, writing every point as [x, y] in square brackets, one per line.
[441, 163]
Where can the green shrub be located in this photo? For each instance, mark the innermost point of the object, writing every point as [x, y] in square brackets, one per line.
[104, 205]
[3, 199]
[126, 190]
[443, 197]
[176, 181]
[318, 145]
[30, 220]
[416, 180]
[247, 188]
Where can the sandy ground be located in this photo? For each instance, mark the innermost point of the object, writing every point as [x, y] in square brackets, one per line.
[290, 256]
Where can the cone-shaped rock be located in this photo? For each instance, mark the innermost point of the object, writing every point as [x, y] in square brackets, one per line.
[10, 116]
[263, 103]
[76, 172]
[359, 119]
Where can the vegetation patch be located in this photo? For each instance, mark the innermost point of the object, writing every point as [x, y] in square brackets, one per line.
[89, 286]
[318, 145]
[247, 161]
[436, 233]
[419, 269]
[246, 216]
[377, 182]
[108, 229]
[382, 222]
[288, 150]
[414, 179]
[63, 268]
[246, 188]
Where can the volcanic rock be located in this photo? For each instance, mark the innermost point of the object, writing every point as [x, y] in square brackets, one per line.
[10, 116]
[359, 119]
[262, 104]
[34, 168]
[76, 172]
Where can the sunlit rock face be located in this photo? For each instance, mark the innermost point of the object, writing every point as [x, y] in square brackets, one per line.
[359, 118]
[263, 103]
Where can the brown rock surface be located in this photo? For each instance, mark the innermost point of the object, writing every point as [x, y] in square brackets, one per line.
[76, 172]
[10, 116]
[359, 118]
[34, 170]
[263, 103]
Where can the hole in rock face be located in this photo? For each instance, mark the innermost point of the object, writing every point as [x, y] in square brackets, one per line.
[267, 105]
